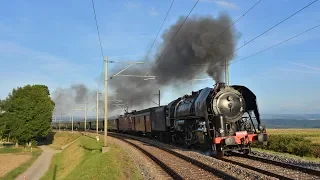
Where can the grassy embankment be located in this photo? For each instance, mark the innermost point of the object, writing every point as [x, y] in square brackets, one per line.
[300, 142]
[83, 160]
[62, 138]
[12, 151]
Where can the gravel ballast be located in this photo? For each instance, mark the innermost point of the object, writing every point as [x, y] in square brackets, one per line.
[298, 162]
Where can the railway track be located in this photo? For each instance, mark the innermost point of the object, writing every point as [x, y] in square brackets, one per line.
[272, 168]
[176, 165]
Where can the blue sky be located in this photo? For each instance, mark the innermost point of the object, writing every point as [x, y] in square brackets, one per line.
[55, 43]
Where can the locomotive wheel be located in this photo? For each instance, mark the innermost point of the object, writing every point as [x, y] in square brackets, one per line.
[247, 151]
[217, 151]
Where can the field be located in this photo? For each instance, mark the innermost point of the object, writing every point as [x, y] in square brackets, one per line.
[14, 161]
[311, 134]
[300, 142]
[83, 160]
[63, 138]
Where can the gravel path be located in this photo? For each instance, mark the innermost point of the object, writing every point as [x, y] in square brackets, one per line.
[40, 166]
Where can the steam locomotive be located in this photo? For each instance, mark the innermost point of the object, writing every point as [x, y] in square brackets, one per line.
[222, 119]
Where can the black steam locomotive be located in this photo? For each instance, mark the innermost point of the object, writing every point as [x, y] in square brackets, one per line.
[219, 118]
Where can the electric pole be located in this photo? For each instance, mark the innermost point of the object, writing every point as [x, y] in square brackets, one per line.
[105, 101]
[159, 97]
[72, 122]
[60, 120]
[85, 117]
[97, 124]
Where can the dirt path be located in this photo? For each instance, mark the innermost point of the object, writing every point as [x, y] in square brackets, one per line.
[40, 166]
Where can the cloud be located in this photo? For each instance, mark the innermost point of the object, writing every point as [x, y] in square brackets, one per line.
[223, 3]
[153, 12]
[132, 5]
[22, 65]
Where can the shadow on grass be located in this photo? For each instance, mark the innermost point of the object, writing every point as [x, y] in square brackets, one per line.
[54, 172]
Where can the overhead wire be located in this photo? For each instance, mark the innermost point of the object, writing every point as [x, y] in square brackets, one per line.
[165, 18]
[252, 40]
[101, 48]
[215, 39]
[234, 22]
[159, 30]
[273, 46]
[149, 98]
[170, 41]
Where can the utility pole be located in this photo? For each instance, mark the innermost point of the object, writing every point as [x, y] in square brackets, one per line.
[105, 102]
[97, 125]
[72, 122]
[159, 97]
[226, 72]
[60, 120]
[85, 117]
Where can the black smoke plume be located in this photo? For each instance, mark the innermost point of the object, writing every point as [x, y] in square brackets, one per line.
[201, 45]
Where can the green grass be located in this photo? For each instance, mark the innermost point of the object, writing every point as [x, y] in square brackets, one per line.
[23, 167]
[84, 160]
[308, 132]
[62, 138]
[7, 150]
[301, 142]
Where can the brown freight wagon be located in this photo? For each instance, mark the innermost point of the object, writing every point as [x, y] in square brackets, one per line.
[125, 123]
[142, 122]
[113, 123]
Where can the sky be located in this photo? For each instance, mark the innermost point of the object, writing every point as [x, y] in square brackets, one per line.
[55, 43]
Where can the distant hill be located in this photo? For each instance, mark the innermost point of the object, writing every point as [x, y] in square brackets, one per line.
[291, 116]
[290, 123]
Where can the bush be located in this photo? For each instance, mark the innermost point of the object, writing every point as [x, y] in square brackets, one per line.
[292, 144]
[316, 151]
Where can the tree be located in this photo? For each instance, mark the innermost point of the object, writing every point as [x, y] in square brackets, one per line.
[28, 113]
[4, 128]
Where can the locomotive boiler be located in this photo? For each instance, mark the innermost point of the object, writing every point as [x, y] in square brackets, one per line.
[221, 117]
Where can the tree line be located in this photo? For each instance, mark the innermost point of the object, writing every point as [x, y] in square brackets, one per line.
[26, 114]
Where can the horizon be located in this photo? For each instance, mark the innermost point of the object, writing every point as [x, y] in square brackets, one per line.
[56, 44]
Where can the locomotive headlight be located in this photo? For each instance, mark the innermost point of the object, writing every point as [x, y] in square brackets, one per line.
[221, 130]
[260, 128]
